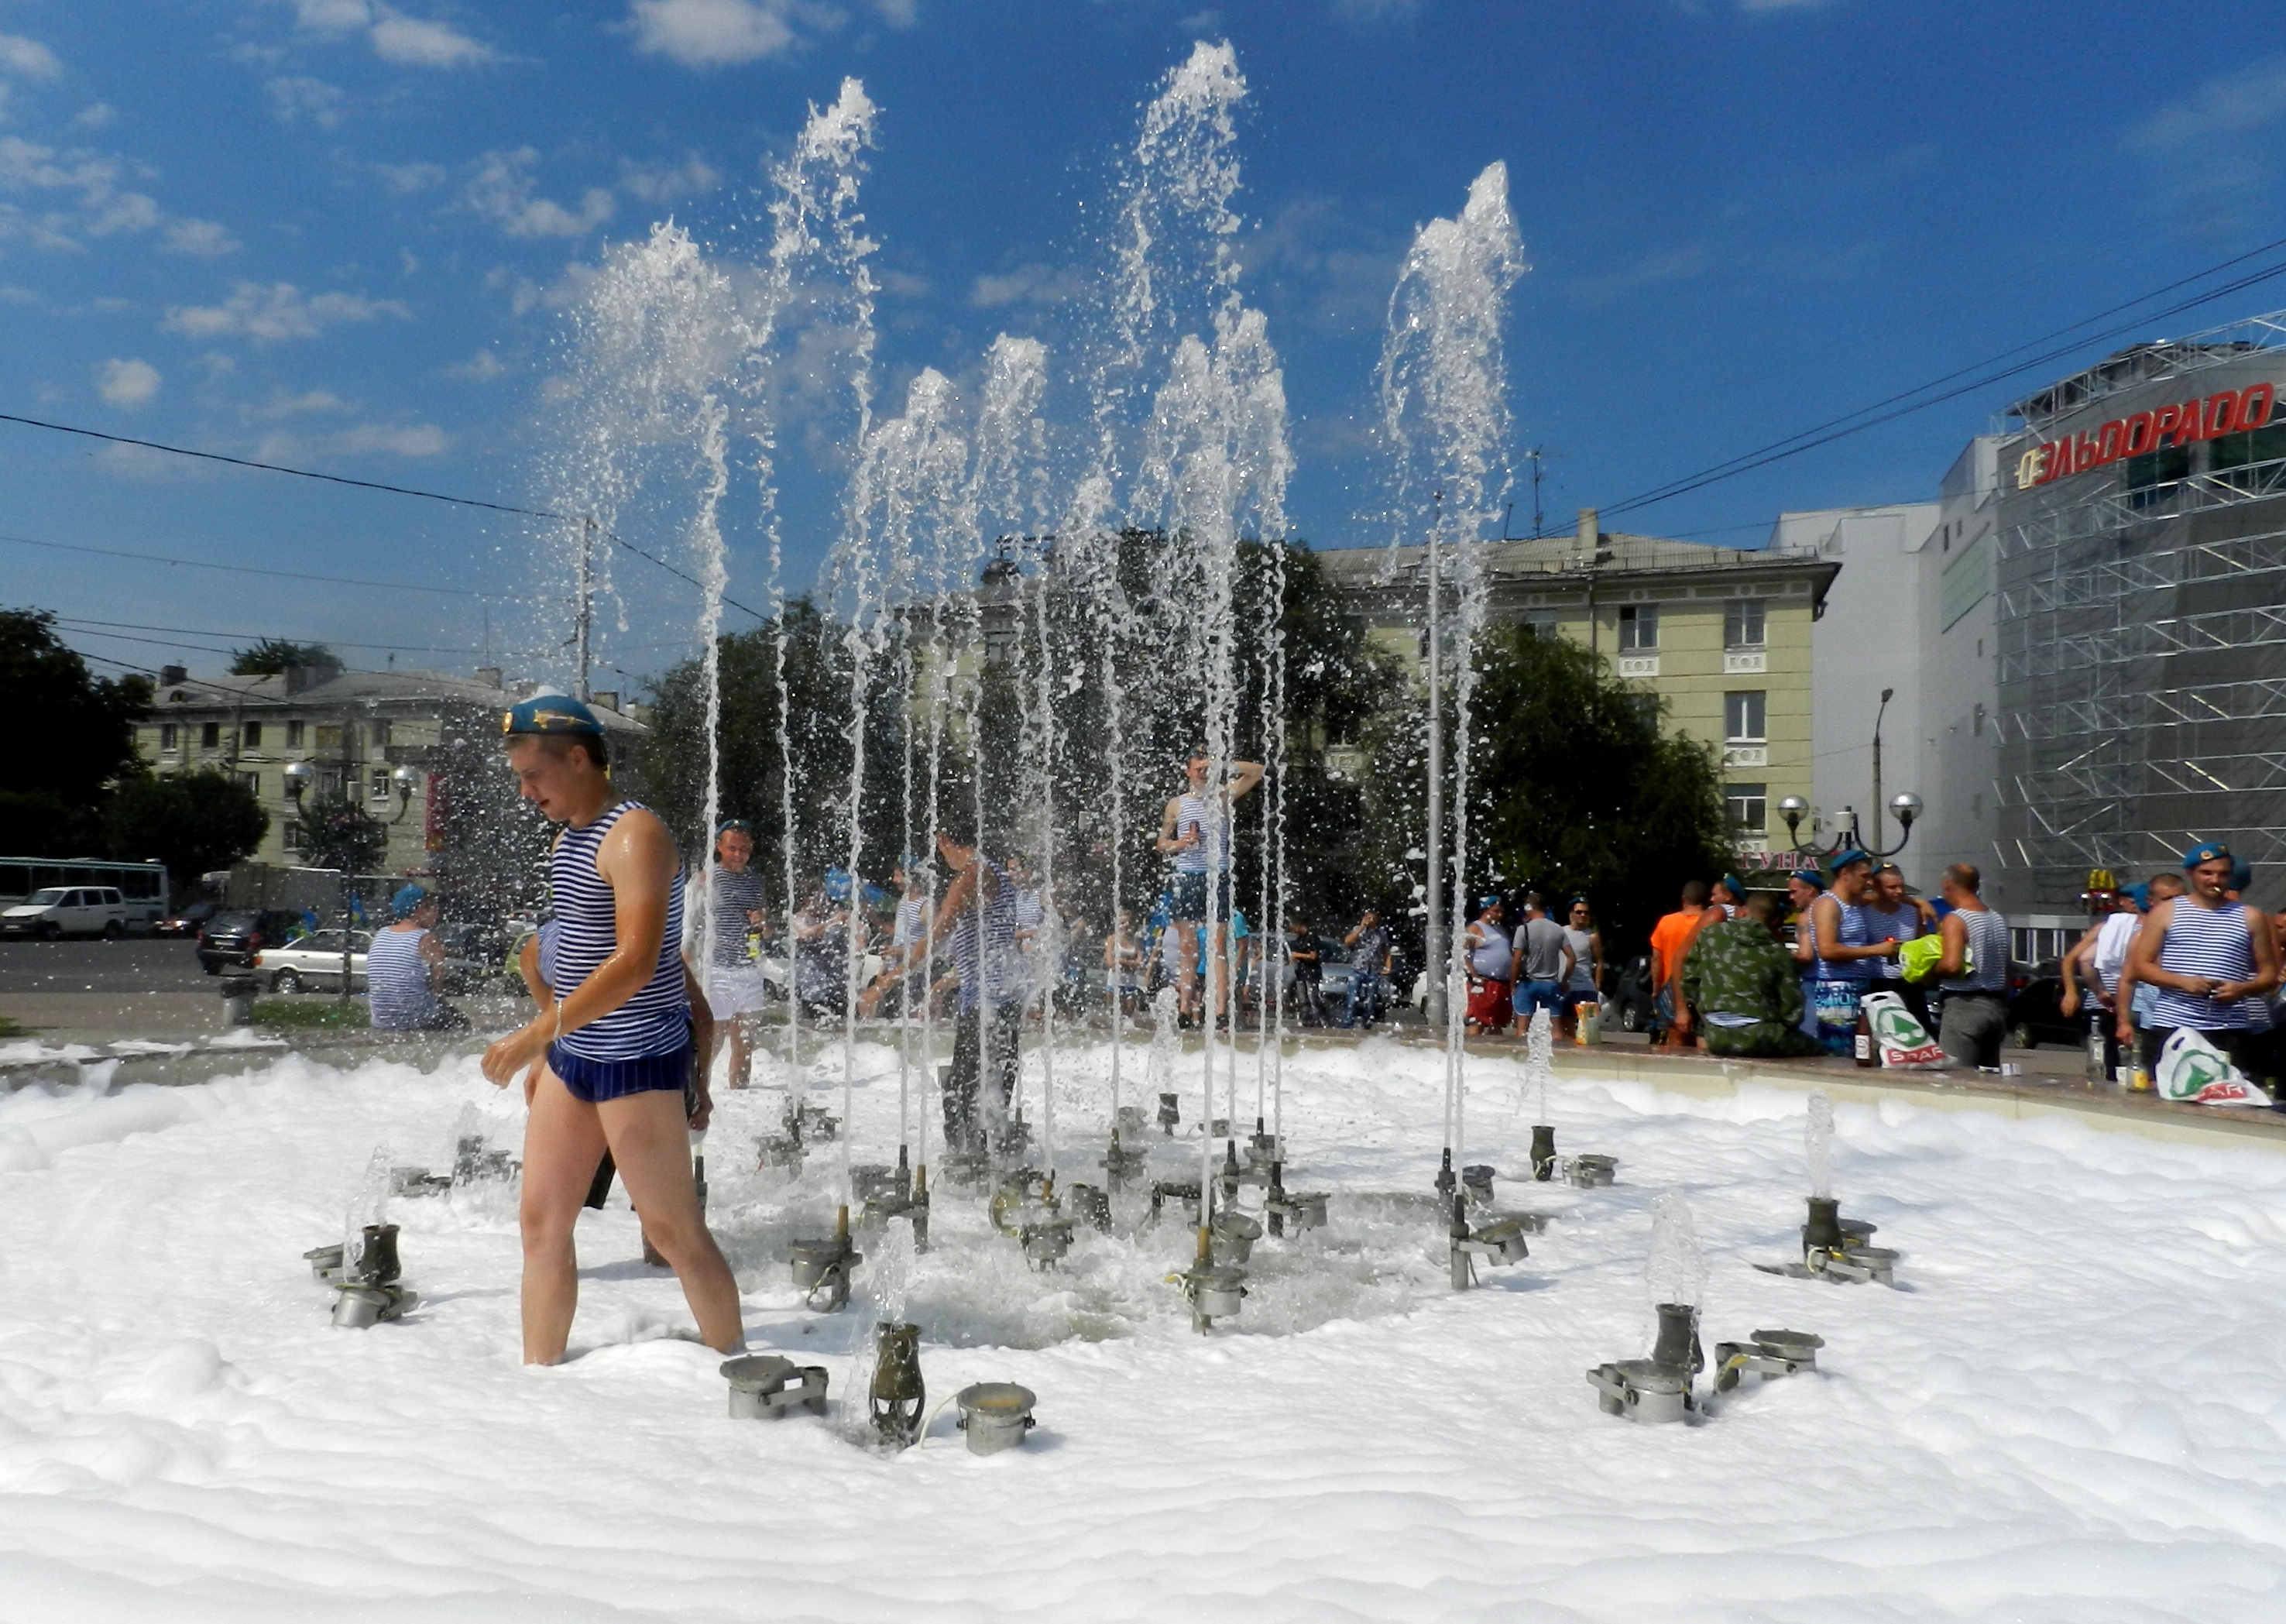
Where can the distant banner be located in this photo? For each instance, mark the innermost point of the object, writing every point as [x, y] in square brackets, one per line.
[2230, 411]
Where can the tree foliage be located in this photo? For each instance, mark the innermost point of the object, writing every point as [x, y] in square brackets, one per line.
[74, 733]
[338, 833]
[193, 823]
[271, 656]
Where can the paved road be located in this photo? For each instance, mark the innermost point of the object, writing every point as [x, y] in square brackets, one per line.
[150, 963]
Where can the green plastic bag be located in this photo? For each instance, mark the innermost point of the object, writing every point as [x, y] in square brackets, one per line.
[1916, 959]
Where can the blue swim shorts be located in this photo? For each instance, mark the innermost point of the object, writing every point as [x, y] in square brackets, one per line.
[596, 1081]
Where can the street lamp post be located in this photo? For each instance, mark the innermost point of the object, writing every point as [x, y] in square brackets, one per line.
[1904, 807]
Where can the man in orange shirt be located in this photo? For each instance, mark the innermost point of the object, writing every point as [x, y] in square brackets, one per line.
[1669, 940]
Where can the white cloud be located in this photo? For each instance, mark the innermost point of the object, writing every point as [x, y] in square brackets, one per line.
[79, 196]
[409, 42]
[482, 367]
[1026, 284]
[1364, 13]
[127, 383]
[406, 179]
[2232, 105]
[200, 239]
[665, 183]
[27, 58]
[280, 310]
[296, 97]
[712, 33]
[315, 400]
[501, 189]
[95, 115]
[397, 439]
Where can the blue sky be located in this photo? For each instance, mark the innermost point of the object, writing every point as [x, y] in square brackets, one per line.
[341, 233]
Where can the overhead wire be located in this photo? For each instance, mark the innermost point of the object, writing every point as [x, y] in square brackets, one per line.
[1874, 416]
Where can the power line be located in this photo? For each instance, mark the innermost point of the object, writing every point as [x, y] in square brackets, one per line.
[1845, 425]
[241, 569]
[361, 485]
[279, 468]
[401, 648]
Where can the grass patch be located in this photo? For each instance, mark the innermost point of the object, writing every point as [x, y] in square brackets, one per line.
[9, 1028]
[311, 1014]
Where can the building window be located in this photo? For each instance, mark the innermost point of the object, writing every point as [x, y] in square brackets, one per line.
[1742, 624]
[1744, 716]
[1639, 628]
[1541, 623]
[380, 791]
[252, 783]
[381, 735]
[169, 737]
[250, 736]
[289, 832]
[210, 736]
[1646, 707]
[1748, 805]
[293, 736]
[329, 735]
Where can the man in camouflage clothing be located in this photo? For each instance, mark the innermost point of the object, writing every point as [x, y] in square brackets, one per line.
[1742, 981]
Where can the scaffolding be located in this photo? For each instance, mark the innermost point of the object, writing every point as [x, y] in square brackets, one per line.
[2140, 609]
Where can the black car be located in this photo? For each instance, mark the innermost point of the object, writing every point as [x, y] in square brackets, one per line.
[1630, 1007]
[232, 937]
[191, 920]
[2036, 1007]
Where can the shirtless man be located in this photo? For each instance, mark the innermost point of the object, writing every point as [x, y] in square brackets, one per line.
[1196, 831]
[616, 1040]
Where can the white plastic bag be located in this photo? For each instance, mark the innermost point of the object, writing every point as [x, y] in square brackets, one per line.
[2192, 1069]
[1900, 1041]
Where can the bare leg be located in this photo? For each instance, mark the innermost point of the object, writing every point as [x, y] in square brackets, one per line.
[742, 1055]
[1186, 967]
[562, 1142]
[650, 1140]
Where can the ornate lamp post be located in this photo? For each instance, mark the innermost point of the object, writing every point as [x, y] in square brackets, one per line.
[1904, 807]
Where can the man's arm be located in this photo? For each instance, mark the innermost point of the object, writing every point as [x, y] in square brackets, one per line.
[956, 898]
[2265, 958]
[2143, 958]
[1953, 932]
[2069, 1002]
[1570, 963]
[432, 955]
[1168, 843]
[1786, 986]
[1244, 777]
[1827, 922]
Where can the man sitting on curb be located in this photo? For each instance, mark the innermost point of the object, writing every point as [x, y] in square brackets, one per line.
[1741, 978]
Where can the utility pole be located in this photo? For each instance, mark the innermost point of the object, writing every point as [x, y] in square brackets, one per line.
[1878, 831]
[1538, 518]
[1435, 949]
[583, 624]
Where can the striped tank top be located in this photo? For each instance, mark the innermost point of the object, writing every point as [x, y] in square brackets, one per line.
[987, 951]
[2208, 942]
[1988, 951]
[1192, 813]
[655, 1021]
[1854, 930]
[397, 983]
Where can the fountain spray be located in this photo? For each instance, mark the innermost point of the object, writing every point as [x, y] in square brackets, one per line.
[1832, 1248]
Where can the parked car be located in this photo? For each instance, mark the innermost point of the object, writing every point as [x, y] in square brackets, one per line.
[1630, 1007]
[189, 922]
[234, 936]
[314, 960]
[2036, 1007]
[477, 958]
[69, 911]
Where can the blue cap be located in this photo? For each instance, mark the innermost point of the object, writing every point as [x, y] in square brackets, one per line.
[1843, 860]
[401, 905]
[1735, 886]
[1488, 902]
[2207, 853]
[2139, 895]
[2242, 875]
[734, 825]
[551, 713]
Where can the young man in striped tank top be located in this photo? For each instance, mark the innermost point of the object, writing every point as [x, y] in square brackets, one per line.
[1974, 968]
[1196, 831]
[977, 919]
[616, 1036]
[2211, 959]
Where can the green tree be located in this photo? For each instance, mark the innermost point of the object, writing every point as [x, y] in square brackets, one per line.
[1574, 788]
[272, 655]
[193, 823]
[73, 734]
[338, 833]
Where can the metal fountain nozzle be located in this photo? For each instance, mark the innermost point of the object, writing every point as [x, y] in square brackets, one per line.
[1543, 1152]
[898, 1393]
[823, 1267]
[1171, 1114]
[1444, 1178]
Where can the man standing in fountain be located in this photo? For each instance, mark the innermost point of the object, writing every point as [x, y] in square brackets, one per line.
[618, 1039]
[1195, 829]
[978, 916]
[734, 973]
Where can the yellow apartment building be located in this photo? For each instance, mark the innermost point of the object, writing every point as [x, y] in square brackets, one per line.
[1720, 636]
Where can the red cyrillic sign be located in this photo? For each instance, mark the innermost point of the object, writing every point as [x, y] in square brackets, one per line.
[2199, 418]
